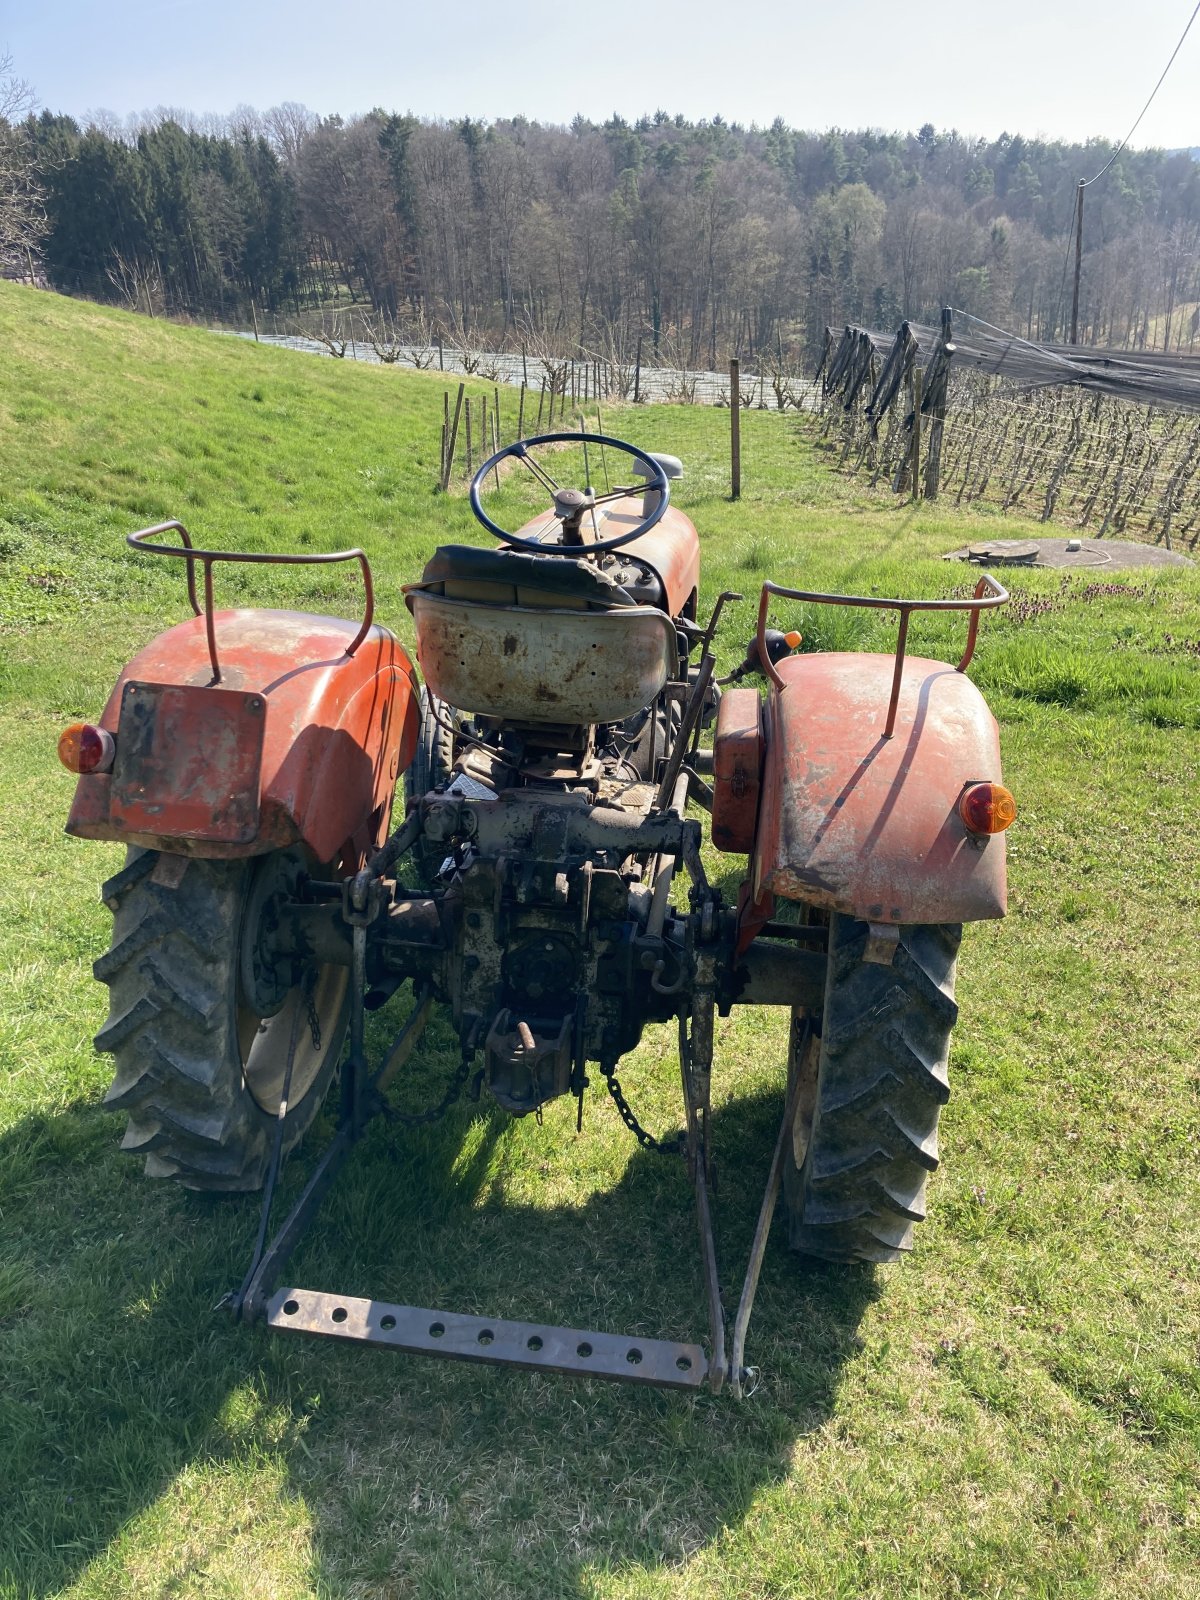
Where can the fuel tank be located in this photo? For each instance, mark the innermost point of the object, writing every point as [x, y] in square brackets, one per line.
[671, 549]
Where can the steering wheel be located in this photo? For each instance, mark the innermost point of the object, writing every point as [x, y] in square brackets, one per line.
[571, 505]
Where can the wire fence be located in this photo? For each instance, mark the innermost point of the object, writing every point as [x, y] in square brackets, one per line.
[1097, 440]
[582, 376]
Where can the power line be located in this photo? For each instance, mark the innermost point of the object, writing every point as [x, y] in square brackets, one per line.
[1086, 182]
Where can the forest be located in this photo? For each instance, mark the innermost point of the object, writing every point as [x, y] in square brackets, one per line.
[702, 239]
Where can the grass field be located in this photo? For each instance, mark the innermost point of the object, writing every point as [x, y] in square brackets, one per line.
[1014, 1411]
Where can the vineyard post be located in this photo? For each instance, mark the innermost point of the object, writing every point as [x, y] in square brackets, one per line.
[735, 426]
[470, 461]
[637, 372]
[933, 461]
[449, 467]
[521, 414]
[915, 468]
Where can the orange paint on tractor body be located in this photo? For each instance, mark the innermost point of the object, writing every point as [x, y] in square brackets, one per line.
[299, 743]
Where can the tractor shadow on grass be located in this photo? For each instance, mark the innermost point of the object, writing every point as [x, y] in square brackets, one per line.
[416, 1477]
[446, 1479]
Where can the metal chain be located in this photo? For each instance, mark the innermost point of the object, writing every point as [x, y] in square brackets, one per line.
[314, 1021]
[664, 1147]
[419, 1119]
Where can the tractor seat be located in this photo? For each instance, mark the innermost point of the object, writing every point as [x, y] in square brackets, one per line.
[514, 577]
[537, 639]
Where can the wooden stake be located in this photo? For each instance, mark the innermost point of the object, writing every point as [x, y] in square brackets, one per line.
[637, 372]
[521, 414]
[449, 467]
[735, 426]
[915, 469]
[933, 455]
[470, 462]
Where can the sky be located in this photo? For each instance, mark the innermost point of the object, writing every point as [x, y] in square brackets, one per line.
[1068, 69]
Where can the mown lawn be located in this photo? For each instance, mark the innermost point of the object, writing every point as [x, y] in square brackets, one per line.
[1014, 1411]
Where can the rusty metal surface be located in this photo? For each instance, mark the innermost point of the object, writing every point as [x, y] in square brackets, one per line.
[854, 822]
[737, 770]
[988, 594]
[534, 1346]
[186, 551]
[338, 730]
[543, 665]
[671, 549]
[191, 754]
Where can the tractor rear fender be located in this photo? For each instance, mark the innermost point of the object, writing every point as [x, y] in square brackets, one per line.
[855, 822]
[298, 743]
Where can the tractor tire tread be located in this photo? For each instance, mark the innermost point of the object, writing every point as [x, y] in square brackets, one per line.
[885, 1037]
[172, 976]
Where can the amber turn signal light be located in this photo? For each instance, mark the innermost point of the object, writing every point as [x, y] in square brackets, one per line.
[794, 639]
[83, 748]
[987, 808]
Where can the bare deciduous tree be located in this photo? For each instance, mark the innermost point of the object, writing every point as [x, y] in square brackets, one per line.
[23, 221]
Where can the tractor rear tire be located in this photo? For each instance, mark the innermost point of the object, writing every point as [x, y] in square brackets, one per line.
[874, 1071]
[199, 1068]
[433, 758]
[431, 768]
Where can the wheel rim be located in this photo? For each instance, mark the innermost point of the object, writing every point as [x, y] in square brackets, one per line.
[264, 1041]
[273, 1008]
[808, 1069]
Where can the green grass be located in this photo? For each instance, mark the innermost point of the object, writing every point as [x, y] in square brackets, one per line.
[1014, 1411]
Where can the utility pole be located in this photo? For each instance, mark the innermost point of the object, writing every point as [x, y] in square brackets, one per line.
[1078, 262]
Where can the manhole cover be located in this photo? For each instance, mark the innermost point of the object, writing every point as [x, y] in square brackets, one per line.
[1004, 553]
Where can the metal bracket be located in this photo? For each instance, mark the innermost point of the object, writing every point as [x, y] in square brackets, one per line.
[883, 940]
[532, 1345]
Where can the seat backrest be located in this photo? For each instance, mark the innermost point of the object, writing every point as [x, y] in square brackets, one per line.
[535, 639]
[515, 577]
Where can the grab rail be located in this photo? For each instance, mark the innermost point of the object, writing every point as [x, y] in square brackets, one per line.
[988, 594]
[186, 551]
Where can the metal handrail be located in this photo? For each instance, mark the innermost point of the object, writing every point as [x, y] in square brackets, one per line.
[988, 594]
[187, 552]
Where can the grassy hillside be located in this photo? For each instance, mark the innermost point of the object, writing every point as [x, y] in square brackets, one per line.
[1013, 1411]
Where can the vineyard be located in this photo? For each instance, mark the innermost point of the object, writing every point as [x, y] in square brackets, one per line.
[1096, 440]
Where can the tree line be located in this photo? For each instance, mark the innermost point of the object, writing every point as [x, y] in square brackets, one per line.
[700, 239]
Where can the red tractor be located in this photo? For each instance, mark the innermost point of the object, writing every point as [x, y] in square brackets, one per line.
[249, 759]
